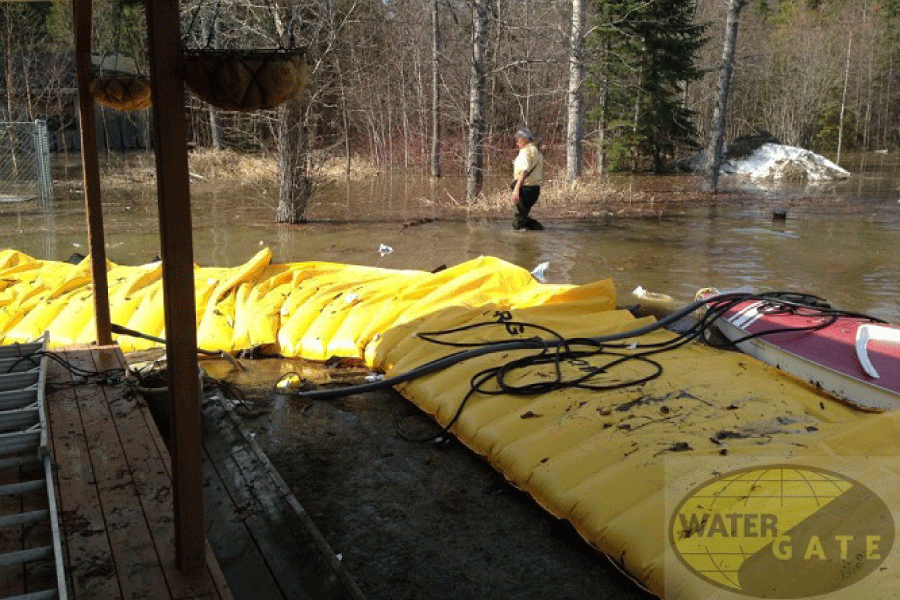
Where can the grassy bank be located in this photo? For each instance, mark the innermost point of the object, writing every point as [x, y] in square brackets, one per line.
[590, 197]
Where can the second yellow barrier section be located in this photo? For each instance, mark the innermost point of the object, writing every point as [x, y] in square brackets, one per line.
[608, 457]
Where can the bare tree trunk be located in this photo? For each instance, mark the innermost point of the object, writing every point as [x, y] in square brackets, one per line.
[601, 126]
[215, 131]
[475, 150]
[346, 119]
[294, 183]
[840, 139]
[407, 134]
[886, 112]
[435, 92]
[10, 116]
[716, 143]
[635, 123]
[575, 96]
[209, 28]
[868, 134]
[10, 106]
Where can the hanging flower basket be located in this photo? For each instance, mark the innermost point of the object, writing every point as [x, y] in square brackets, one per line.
[121, 93]
[245, 80]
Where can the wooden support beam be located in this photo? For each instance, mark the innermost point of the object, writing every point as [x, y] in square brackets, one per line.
[82, 11]
[173, 186]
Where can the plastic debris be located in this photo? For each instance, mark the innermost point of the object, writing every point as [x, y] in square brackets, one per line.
[640, 292]
[374, 377]
[384, 250]
[539, 271]
[288, 381]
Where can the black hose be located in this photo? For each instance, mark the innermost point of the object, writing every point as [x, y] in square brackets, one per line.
[524, 344]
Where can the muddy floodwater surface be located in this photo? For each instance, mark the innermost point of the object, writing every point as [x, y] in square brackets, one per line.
[414, 520]
[838, 240]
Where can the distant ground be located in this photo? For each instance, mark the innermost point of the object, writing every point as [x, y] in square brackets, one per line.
[592, 196]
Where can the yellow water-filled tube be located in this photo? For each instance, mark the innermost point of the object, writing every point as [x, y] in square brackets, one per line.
[312, 310]
[702, 473]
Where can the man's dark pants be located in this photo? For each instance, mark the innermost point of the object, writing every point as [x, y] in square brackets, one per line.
[528, 196]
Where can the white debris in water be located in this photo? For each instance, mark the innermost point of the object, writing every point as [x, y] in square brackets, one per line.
[779, 162]
[539, 271]
[384, 250]
[644, 294]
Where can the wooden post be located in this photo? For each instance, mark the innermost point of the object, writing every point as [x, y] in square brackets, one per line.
[173, 185]
[82, 12]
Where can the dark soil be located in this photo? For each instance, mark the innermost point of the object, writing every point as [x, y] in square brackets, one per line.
[414, 520]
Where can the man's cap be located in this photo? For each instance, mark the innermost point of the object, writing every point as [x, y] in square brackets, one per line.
[523, 132]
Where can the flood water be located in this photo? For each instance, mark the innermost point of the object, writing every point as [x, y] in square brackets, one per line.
[839, 240]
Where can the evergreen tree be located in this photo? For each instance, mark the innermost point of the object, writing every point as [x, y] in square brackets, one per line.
[650, 47]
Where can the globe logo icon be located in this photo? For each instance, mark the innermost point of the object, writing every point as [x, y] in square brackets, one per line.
[781, 531]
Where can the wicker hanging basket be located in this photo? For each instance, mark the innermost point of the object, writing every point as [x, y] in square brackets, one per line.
[245, 80]
[122, 93]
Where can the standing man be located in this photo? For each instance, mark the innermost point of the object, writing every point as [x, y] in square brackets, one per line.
[528, 170]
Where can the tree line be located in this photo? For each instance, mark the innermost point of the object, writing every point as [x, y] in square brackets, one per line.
[440, 85]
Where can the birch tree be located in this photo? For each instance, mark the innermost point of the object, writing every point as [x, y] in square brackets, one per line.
[477, 83]
[435, 90]
[716, 141]
[575, 95]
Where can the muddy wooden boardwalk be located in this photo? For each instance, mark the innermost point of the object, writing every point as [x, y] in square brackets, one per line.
[114, 490]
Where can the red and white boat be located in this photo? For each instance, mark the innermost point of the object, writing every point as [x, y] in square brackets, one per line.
[849, 356]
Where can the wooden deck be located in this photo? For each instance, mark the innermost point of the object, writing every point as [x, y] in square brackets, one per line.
[114, 490]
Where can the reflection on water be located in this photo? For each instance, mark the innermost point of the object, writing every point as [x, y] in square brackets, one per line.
[839, 242]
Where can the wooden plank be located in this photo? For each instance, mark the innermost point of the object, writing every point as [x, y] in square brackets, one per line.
[235, 547]
[213, 569]
[134, 555]
[300, 560]
[213, 579]
[216, 575]
[151, 480]
[212, 565]
[82, 12]
[173, 188]
[90, 565]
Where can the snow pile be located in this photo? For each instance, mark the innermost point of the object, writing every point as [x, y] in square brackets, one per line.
[776, 162]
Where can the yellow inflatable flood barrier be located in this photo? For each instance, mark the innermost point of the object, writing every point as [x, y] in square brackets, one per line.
[312, 310]
[618, 462]
[641, 471]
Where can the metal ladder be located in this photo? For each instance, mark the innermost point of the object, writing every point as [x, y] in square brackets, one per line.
[23, 443]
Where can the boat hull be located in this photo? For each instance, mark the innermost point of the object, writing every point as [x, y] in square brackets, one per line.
[839, 355]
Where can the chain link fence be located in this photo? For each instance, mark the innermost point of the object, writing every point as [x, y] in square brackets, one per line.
[25, 162]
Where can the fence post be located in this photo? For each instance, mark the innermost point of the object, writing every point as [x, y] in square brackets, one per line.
[42, 151]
